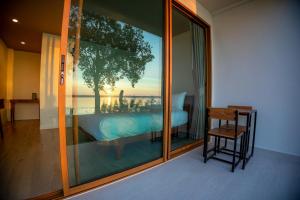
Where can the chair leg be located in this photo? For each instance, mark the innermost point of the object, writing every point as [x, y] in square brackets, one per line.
[244, 150]
[241, 148]
[205, 147]
[215, 146]
[248, 140]
[219, 141]
[225, 146]
[234, 153]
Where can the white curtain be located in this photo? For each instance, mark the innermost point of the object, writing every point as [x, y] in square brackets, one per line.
[199, 74]
[50, 56]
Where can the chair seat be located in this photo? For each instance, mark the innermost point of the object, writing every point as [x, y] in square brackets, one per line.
[223, 132]
[231, 126]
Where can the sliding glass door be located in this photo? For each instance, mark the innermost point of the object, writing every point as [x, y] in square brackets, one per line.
[131, 94]
[188, 81]
[114, 87]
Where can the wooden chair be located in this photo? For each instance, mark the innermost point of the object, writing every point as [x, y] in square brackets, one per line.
[243, 127]
[231, 126]
[224, 114]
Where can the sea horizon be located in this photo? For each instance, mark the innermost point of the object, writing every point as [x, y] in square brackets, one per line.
[125, 96]
[86, 103]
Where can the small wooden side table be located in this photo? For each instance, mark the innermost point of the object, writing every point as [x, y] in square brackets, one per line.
[13, 102]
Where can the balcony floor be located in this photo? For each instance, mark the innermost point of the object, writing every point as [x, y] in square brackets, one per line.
[268, 175]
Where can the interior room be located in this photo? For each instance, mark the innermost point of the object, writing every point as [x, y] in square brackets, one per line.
[160, 99]
[30, 50]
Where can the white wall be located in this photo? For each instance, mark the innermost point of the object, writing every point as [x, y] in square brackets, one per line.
[26, 78]
[3, 70]
[256, 62]
[50, 54]
[9, 80]
[182, 63]
[3, 81]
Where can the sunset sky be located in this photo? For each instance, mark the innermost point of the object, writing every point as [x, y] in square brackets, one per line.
[149, 85]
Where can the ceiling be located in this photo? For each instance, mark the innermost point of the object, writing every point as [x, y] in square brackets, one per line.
[38, 16]
[213, 6]
[35, 17]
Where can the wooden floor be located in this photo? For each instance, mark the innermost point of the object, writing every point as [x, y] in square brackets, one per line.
[29, 161]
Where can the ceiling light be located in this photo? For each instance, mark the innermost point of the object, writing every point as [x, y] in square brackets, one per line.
[23, 43]
[15, 20]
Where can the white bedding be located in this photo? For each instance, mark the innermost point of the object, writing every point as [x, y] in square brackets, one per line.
[108, 127]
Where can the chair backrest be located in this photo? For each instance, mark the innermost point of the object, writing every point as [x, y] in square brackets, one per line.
[222, 113]
[240, 107]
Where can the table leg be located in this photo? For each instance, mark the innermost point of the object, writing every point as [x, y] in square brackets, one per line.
[12, 113]
[254, 130]
[1, 128]
[249, 132]
[246, 143]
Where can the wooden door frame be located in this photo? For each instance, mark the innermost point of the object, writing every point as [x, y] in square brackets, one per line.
[67, 189]
[62, 100]
[168, 5]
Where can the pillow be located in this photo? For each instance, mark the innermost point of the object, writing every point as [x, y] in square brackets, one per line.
[178, 101]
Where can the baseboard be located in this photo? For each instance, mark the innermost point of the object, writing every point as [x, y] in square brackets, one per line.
[230, 143]
[275, 150]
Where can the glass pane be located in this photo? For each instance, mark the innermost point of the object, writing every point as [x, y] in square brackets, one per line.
[114, 87]
[188, 82]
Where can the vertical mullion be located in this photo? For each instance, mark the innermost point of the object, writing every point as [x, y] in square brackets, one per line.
[167, 31]
[170, 81]
[208, 66]
[62, 100]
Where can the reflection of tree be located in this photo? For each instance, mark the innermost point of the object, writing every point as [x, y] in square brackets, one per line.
[110, 51]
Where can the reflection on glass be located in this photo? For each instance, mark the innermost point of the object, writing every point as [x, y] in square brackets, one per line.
[188, 82]
[113, 88]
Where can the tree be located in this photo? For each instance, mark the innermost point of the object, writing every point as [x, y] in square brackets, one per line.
[109, 51]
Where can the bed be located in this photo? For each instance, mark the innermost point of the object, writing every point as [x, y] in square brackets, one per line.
[119, 129]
